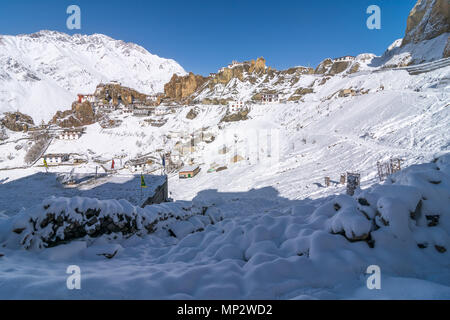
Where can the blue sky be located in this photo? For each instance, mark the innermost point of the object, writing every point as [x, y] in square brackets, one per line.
[204, 35]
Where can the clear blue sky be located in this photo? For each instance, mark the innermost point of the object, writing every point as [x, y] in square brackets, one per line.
[204, 35]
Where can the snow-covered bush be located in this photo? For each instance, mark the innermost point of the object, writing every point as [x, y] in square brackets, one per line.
[60, 220]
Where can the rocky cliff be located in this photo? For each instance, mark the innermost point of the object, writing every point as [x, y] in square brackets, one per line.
[427, 20]
[16, 121]
[81, 114]
[181, 87]
[116, 94]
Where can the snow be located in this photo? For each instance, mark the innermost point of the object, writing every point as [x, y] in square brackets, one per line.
[415, 53]
[188, 168]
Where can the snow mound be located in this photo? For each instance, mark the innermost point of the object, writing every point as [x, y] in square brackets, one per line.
[60, 220]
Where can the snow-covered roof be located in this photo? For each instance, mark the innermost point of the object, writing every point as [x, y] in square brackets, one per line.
[189, 168]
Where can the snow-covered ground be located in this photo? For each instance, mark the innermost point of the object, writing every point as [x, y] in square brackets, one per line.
[281, 234]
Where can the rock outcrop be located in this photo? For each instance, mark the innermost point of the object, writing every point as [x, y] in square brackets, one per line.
[237, 116]
[324, 66]
[81, 114]
[258, 66]
[116, 94]
[192, 114]
[336, 66]
[299, 93]
[181, 87]
[16, 121]
[427, 20]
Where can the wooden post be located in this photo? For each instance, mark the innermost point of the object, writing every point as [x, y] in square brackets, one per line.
[380, 171]
[353, 182]
[327, 181]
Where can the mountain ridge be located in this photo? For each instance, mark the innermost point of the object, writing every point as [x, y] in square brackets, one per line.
[43, 71]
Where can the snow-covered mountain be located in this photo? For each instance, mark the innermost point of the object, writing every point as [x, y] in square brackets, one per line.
[41, 73]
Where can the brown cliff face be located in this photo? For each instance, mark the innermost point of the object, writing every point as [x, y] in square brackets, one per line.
[339, 66]
[298, 70]
[119, 94]
[252, 67]
[324, 66]
[81, 114]
[229, 73]
[180, 88]
[427, 20]
[259, 66]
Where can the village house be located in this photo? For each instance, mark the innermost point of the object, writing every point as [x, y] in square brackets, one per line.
[55, 158]
[128, 110]
[347, 93]
[185, 148]
[86, 97]
[154, 98]
[344, 58]
[235, 106]
[139, 165]
[142, 112]
[223, 150]
[236, 158]
[70, 134]
[268, 98]
[189, 171]
[159, 111]
[106, 106]
[235, 63]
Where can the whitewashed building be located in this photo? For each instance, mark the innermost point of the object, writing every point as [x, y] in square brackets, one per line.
[86, 97]
[142, 112]
[106, 106]
[344, 58]
[70, 135]
[55, 158]
[128, 110]
[159, 111]
[236, 106]
[139, 165]
[269, 98]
